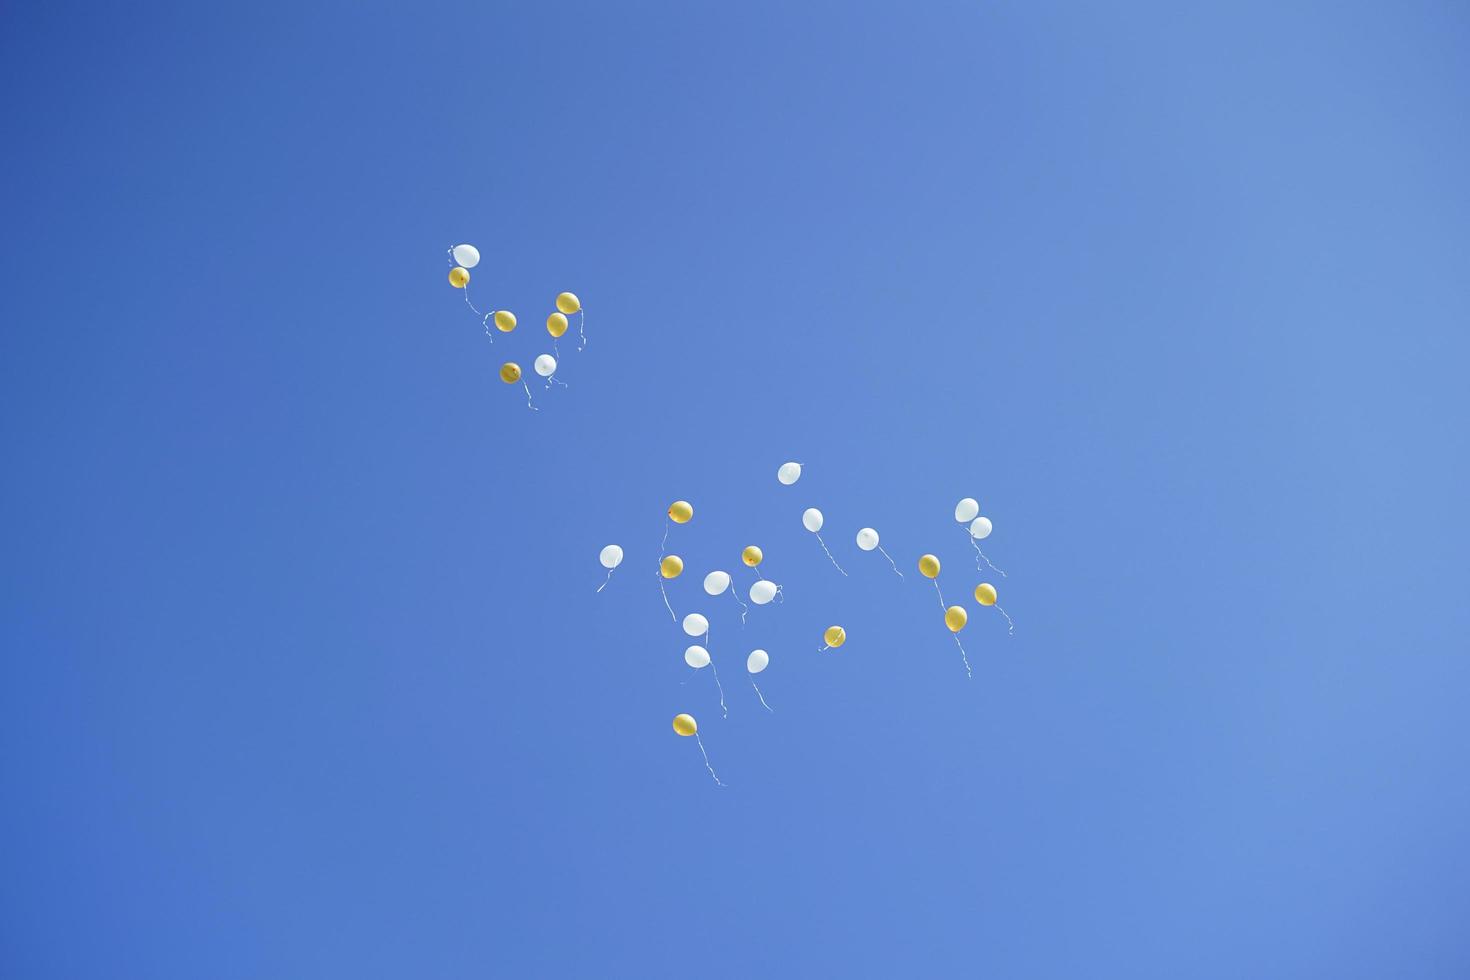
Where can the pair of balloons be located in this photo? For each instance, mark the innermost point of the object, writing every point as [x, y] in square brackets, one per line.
[698, 657]
[761, 592]
[510, 371]
[967, 511]
[556, 323]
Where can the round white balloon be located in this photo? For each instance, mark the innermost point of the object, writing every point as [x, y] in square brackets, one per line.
[467, 256]
[762, 592]
[789, 473]
[757, 661]
[811, 519]
[611, 556]
[867, 539]
[545, 365]
[980, 527]
[696, 657]
[716, 582]
[696, 625]
[966, 509]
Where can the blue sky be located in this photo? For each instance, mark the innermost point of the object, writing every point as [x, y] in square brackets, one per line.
[303, 670]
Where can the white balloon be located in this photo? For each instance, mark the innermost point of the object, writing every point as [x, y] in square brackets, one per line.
[696, 657]
[789, 473]
[980, 527]
[696, 625]
[757, 661]
[545, 365]
[611, 557]
[812, 520]
[966, 509]
[467, 256]
[762, 592]
[867, 539]
[716, 582]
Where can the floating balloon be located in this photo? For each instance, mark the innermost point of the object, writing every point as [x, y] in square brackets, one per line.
[966, 509]
[505, 321]
[867, 540]
[680, 511]
[696, 657]
[789, 473]
[751, 556]
[510, 372]
[567, 304]
[696, 625]
[754, 664]
[985, 594]
[611, 557]
[459, 278]
[955, 618]
[556, 324]
[716, 582]
[929, 566]
[545, 365]
[762, 592]
[834, 636]
[980, 528]
[671, 566]
[685, 725]
[466, 255]
[811, 519]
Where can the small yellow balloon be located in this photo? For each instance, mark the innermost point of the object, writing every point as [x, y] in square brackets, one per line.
[929, 566]
[556, 324]
[685, 724]
[510, 372]
[751, 556]
[505, 321]
[955, 618]
[835, 636]
[459, 277]
[671, 566]
[568, 303]
[680, 511]
[985, 594]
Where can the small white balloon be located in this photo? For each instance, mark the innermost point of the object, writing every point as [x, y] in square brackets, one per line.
[757, 661]
[789, 473]
[762, 592]
[696, 657]
[696, 625]
[812, 520]
[867, 539]
[716, 582]
[611, 556]
[980, 527]
[966, 509]
[467, 256]
[545, 365]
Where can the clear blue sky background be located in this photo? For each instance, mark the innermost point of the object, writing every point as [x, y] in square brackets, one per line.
[303, 670]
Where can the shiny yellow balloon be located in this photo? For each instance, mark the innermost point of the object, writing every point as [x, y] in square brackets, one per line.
[671, 566]
[510, 372]
[505, 321]
[835, 636]
[459, 277]
[556, 324]
[685, 724]
[568, 303]
[955, 618]
[680, 511]
[929, 566]
[985, 594]
[751, 556]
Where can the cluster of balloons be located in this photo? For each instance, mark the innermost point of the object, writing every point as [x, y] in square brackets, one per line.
[463, 258]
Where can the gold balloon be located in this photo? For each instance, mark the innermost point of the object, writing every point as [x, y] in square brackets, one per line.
[458, 277]
[568, 303]
[751, 556]
[505, 321]
[671, 566]
[510, 372]
[685, 724]
[985, 594]
[556, 324]
[955, 618]
[680, 511]
[929, 566]
[835, 636]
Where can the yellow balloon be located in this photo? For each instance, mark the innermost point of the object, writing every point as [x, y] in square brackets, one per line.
[458, 277]
[685, 724]
[505, 321]
[751, 556]
[568, 303]
[985, 594]
[510, 372]
[955, 618]
[671, 566]
[680, 511]
[929, 566]
[835, 636]
[556, 324]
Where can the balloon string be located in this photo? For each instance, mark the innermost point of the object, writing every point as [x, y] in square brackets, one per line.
[743, 607]
[980, 554]
[941, 595]
[762, 697]
[528, 396]
[555, 349]
[891, 562]
[963, 657]
[581, 322]
[1009, 621]
[606, 580]
[660, 575]
[829, 554]
[824, 648]
[706, 760]
[663, 548]
[484, 317]
[781, 594]
[723, 710]
[555, 379]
